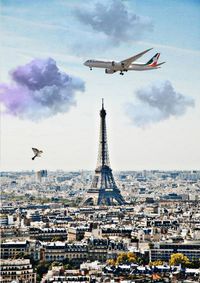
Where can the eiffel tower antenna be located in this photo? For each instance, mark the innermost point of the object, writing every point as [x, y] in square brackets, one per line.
[103, 190]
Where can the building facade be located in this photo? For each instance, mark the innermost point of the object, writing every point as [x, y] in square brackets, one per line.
[19, 270]
[163, 251]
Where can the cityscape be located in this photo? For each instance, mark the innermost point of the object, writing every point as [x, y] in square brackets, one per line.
[99, 141]
[48, 236]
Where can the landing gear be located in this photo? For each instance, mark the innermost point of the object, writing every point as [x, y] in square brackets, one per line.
[90, 68]
[121, 73]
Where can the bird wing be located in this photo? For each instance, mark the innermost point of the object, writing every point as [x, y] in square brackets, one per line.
[35, 150]
[39, 153]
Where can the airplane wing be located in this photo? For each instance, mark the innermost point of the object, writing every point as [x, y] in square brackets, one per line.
[128, 61]
[35, 150]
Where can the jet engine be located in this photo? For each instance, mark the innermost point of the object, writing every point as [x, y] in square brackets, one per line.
[109, 71]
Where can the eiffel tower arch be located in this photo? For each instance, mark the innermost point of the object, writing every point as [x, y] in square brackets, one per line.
[104, 190]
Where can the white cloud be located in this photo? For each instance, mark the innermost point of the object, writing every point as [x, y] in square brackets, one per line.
[156, 103]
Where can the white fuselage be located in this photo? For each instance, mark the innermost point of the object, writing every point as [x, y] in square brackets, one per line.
[117, 66]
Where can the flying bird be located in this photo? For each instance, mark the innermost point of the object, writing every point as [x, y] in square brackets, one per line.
[37, 153]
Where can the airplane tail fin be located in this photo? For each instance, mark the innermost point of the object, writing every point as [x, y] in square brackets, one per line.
[153, 61]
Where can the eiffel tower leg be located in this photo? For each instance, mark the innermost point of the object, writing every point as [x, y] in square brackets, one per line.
[100, 199]
[119, 199]
[108, 201]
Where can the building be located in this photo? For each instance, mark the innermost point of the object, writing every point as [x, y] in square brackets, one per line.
[163, 251]
[93, 249]
[58, 274]
[6, 220]
[19, 270]
[76, 233]
[59, 251]
[45, 234]
[116, 231]
[14, 249]
[41, 175]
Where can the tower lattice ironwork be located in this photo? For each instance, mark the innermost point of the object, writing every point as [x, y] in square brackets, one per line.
[104, 190]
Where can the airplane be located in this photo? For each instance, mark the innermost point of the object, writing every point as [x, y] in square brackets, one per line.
[127, 64]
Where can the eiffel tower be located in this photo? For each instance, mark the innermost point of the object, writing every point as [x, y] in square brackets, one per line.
[103, 190]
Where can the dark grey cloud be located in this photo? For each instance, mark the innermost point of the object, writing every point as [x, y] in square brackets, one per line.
[156, 103]
[114, 20]
[39, 90]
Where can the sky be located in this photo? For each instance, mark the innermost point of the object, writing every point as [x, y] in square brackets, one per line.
[51, 101]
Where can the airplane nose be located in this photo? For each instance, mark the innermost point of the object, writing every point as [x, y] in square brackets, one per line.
[85, 63]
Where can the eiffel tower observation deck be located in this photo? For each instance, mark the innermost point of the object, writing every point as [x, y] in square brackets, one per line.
[104, 190]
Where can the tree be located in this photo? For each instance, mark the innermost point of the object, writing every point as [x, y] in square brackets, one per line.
[56, 263]
[18, 255]
[42, 268]
[111, 262]
[56, 238]
[126, 258]
[156, 263]
[179, 258]
[131, 257]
